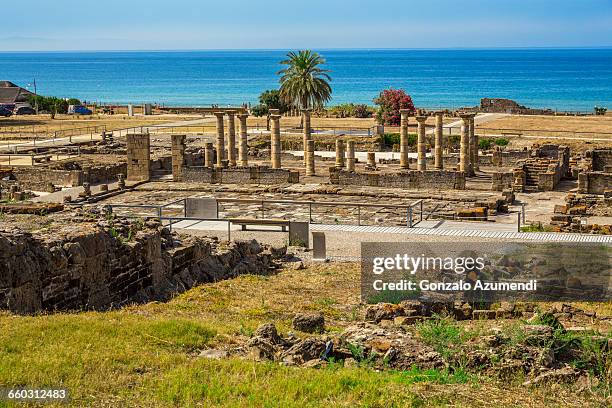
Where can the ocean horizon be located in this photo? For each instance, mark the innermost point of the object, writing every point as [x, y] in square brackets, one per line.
[575, 79]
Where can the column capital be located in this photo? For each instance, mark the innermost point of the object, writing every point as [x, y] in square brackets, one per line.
[242, 115]
[304, 110]
[421, 119]
[275, 117]
[405, 111]
[274, 111]
[219, 114]
[230, 112]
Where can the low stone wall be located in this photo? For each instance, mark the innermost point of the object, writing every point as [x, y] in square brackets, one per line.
[602, 160]
[239, 175]
[595, 182]
[508, 157]
[38, 178]
[548, 181]
[90, 267]
[501, 181]
[413, 179]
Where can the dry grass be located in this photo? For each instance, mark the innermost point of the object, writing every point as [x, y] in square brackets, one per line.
[555, 124]
[23, 127]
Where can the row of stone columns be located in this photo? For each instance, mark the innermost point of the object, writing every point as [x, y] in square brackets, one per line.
[226, 155]
[421, 144]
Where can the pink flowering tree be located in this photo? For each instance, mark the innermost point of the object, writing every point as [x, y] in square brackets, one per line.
[389, 102]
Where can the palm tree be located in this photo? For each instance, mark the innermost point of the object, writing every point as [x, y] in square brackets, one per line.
[304, 84]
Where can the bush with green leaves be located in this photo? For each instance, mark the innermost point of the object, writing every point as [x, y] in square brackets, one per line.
[599, 110]
[363, 111]
[259, 110]
[269, 99]
[501, 141]
[484, 144]
[389, 139]
[350, 110]
[51, 104]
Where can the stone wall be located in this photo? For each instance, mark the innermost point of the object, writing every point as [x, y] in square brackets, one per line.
[602, 160]
[139, 157]
[239, 175]
[37, 178]
[413, 179]
[501, 105]
[508, 157]
[594, 182]
[501, 181]
[88, 267]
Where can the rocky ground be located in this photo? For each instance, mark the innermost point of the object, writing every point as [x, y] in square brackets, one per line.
[546, 347]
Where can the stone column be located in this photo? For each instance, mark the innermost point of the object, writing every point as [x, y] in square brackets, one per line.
[473, 147]
[178, 156]
[208, 154]
[421, 159]
[220, 140]
[307, 130]
[310, 158]
[371, 163]
[243, 147]
[275, 145]
[464, 152]
[404, 138]
[231, 138]
[339, 154]
[438, 160]
[350, 155]
[138, 157]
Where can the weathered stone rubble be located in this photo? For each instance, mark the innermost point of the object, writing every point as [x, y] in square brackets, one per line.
[93, 262]
[538, 353]
[392, 348]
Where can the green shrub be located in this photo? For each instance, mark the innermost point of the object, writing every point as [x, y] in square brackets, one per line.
[441, 333]
[389, 139]
[51, 104]
[454, 140]
[363, 111]
[484, 144]
[259, 110]
[501, 141]
[600, 110]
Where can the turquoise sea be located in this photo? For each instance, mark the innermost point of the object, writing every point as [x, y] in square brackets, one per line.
[563, 79]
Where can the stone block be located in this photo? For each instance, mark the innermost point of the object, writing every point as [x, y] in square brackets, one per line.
[299, 234]
[318, 246]
[484, 314]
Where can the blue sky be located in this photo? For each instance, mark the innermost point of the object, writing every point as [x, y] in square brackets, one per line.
[274, 24]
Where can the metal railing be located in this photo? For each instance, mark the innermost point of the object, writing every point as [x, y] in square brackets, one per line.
[413, 212]
[16, 159]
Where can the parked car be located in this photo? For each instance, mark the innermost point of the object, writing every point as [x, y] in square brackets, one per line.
[5, 112]
[24, 110]
[78, 110]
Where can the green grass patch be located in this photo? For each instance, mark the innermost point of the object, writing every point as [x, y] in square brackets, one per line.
[243, 383]
[536, 228]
